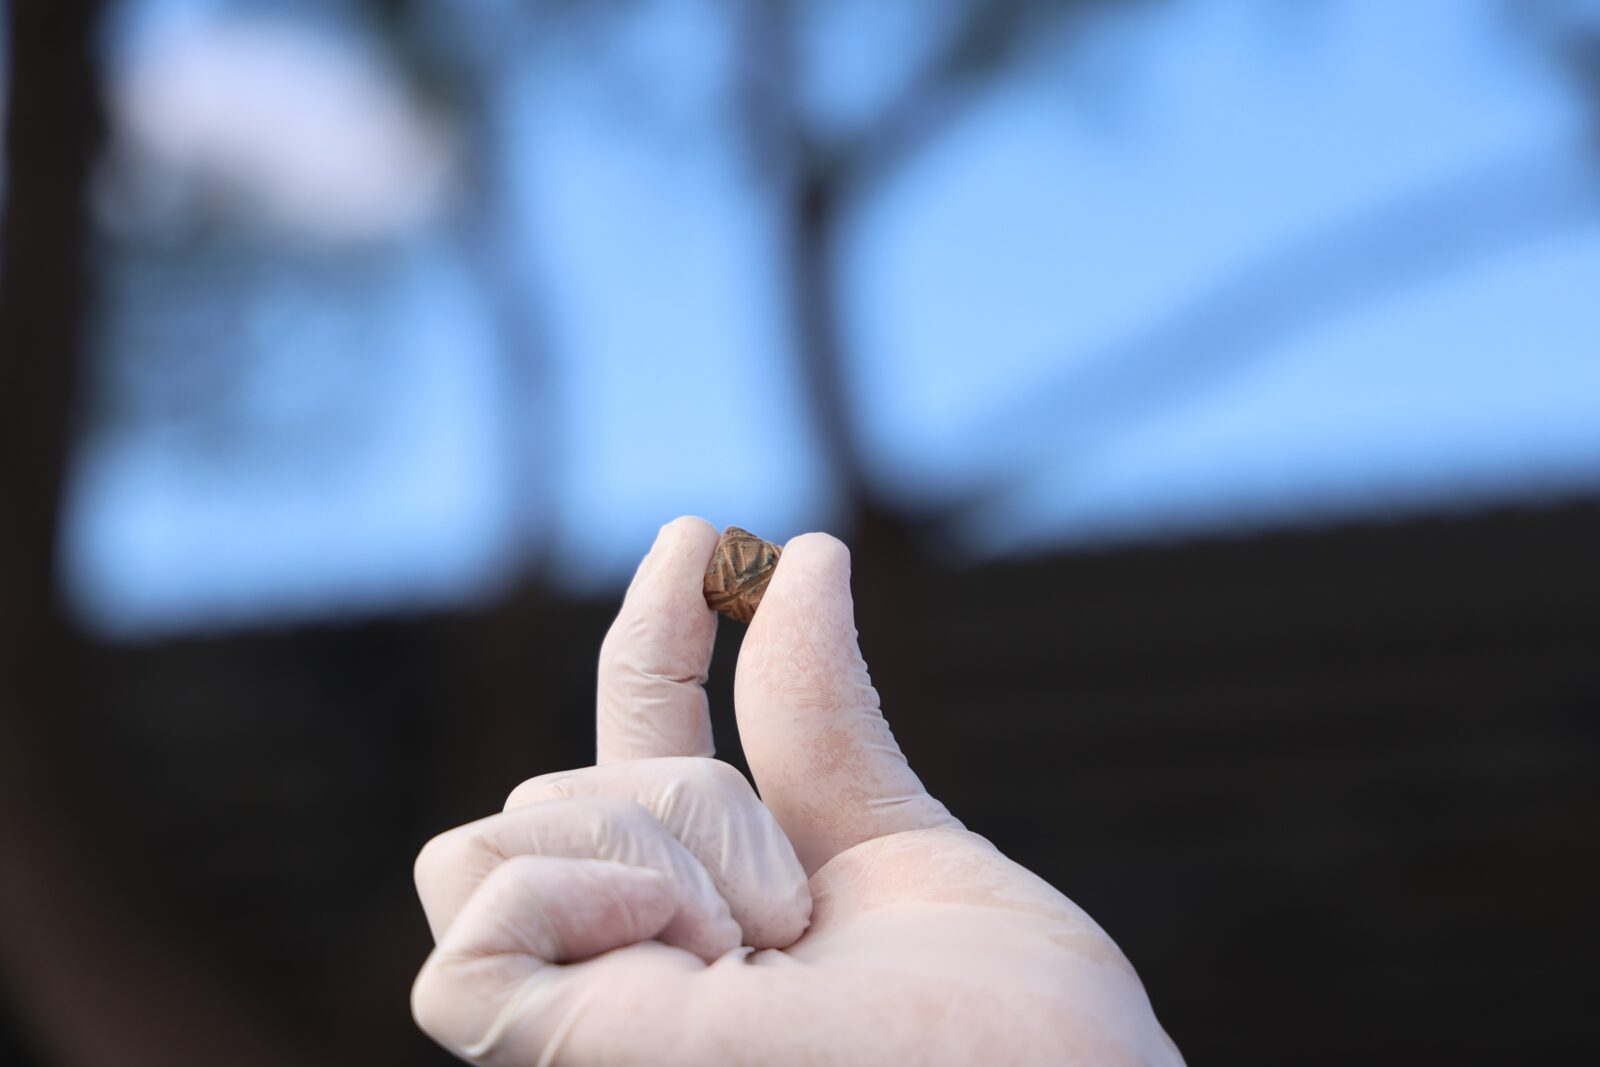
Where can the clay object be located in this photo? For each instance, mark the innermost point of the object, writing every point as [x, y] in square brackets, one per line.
[737, 576]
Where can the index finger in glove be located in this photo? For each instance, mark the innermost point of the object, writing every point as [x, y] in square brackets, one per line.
[650, 699]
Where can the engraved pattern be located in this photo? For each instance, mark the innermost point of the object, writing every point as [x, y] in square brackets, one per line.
[738, 573]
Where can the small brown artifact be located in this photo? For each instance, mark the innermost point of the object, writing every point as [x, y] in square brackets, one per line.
[739, 571]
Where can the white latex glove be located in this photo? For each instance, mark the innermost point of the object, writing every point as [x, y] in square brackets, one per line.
[652, 910]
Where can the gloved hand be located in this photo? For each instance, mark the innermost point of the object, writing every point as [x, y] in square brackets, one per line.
[652, 910]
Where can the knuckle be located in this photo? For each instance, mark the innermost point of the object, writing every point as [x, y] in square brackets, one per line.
[446, 1008]
[430, 1001]
[539, 789]
[617, 826]
[508, 882]
[433, 856]
[621, 814]
[525, 793]
[624, 811]
[455, 849]
[712, 776]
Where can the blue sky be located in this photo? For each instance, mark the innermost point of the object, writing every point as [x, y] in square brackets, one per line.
[1100, 188]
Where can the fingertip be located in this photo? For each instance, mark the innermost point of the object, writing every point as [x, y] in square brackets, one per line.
[808, 599]
[654, 659]
[672, 572]
[686, 535]
[674, 567]
[814, 567]
[687, 529]
[818, 552]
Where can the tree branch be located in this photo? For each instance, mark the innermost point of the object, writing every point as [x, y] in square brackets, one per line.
[1407, 242]
[93, 971]
[990, 36]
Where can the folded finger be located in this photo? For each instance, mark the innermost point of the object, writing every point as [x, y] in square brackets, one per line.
[453, 865]
[711, 809]
[488, 992]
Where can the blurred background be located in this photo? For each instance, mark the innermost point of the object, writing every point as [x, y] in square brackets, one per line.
[1209, 391]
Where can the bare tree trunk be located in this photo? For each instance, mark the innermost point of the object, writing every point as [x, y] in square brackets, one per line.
[509, 287]
[811, 236]
[810, 200]
[54, 124]
[97, 981]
